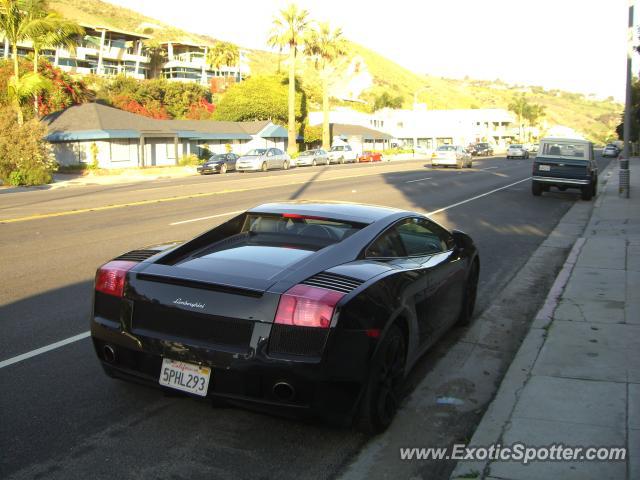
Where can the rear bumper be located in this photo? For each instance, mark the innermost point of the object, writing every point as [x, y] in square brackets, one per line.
[445, 161]
[327, 387]
[562, 181]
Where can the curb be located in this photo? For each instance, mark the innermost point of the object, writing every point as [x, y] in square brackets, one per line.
[496, 419]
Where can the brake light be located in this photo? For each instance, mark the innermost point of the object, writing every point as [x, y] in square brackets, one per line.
[111, 276]
[305, 306]
[303, 217]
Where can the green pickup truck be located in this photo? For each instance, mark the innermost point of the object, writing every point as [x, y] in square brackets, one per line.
[565, 163]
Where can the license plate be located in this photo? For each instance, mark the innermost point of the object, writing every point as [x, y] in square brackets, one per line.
[544, 168]
[185, 376]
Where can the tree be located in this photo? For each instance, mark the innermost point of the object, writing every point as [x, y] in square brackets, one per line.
[63, 33]
[533, 114]
[385, 100]
[23, 20]
[325, 46]
[260, 98]
[223, 53]
[519, 106]
[289, 29]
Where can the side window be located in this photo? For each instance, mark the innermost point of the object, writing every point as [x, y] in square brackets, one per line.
[347, 148]
[277, 151]
[422, 237]
[387, 245]
[270, 153]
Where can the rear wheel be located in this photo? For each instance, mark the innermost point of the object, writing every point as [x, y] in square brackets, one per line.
[313, 162]
[285, 165]
[587, 192]
[382, 392]
[223, 168]
[536, 189]
[470, 294]
[341, 161]
[264, 166]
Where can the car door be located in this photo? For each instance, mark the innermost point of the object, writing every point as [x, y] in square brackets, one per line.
[442, 275]
[270, 159]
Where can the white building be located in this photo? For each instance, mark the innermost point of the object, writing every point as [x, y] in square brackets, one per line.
[187, 62]
[431, 128]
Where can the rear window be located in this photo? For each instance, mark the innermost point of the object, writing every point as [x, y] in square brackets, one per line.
[296, 231]
[565, 149]
[515, 146]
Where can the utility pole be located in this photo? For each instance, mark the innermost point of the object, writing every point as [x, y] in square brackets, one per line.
[626, 152]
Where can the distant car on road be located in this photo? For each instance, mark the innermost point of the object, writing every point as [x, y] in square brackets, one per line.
[369, 156]
[306, 308]
[483, 149]
[451, 156]
[263, 159]
[610, 150]
[517, 150]
[312, 158]
[219, 163]
[342, 154]
[471, 148]
[565, 163]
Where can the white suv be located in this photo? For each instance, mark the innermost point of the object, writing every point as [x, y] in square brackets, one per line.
[342, 154]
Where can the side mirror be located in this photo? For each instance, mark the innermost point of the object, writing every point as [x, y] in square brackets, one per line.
[462, 240]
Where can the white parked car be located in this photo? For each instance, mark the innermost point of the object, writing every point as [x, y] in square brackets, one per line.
[517, 150]
[342, 154]
[263, 159]
[451, 156]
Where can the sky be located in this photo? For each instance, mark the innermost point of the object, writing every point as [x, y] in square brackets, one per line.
[573, 45]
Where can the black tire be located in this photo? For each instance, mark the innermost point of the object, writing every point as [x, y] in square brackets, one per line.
[263, 167]
[536, 189]
[341, 161]
[285, 165]
[223, 168]
[508, 157]
[586, 192]
[382, 392]
[470, 295]
[313, 162]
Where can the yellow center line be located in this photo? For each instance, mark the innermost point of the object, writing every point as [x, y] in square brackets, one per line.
[39, 216]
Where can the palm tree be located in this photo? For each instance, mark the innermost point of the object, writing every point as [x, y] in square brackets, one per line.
[23, 20]
[26, 86]
[276, 40]
[533, 115]
[63, 34]
[291, 27]
[520, 107]
[223, 53]
[325, 46]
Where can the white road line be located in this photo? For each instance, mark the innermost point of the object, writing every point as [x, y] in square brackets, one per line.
[48, 348]
[207, 218]
[67, 341]
[477, 197]
[488, 168]
[418, 180]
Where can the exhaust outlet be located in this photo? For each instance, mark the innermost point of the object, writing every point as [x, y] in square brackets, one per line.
[109, 354]
[284, 391]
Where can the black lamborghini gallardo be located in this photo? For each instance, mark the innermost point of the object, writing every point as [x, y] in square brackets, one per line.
[317, 308]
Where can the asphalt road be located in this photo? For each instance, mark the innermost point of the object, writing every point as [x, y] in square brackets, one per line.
[60, 417]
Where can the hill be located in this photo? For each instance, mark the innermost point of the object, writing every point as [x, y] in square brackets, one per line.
[595, 118]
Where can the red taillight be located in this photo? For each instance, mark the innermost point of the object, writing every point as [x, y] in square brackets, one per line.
[302, 217]
[111, 276]
[306, 306]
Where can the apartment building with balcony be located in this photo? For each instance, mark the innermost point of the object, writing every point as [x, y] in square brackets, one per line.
[101, 51]
[187, 62]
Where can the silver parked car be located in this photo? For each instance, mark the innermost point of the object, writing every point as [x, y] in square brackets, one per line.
[517, 150]
[263, 159]
[313, 158]
[451, 155]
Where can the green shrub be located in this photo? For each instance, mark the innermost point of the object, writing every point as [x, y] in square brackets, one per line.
[24, 154]
[191, 159]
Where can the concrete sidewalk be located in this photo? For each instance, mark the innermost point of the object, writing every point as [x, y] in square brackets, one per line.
[576, 377]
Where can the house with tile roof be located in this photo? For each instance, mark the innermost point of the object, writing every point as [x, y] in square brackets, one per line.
[120, 139]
